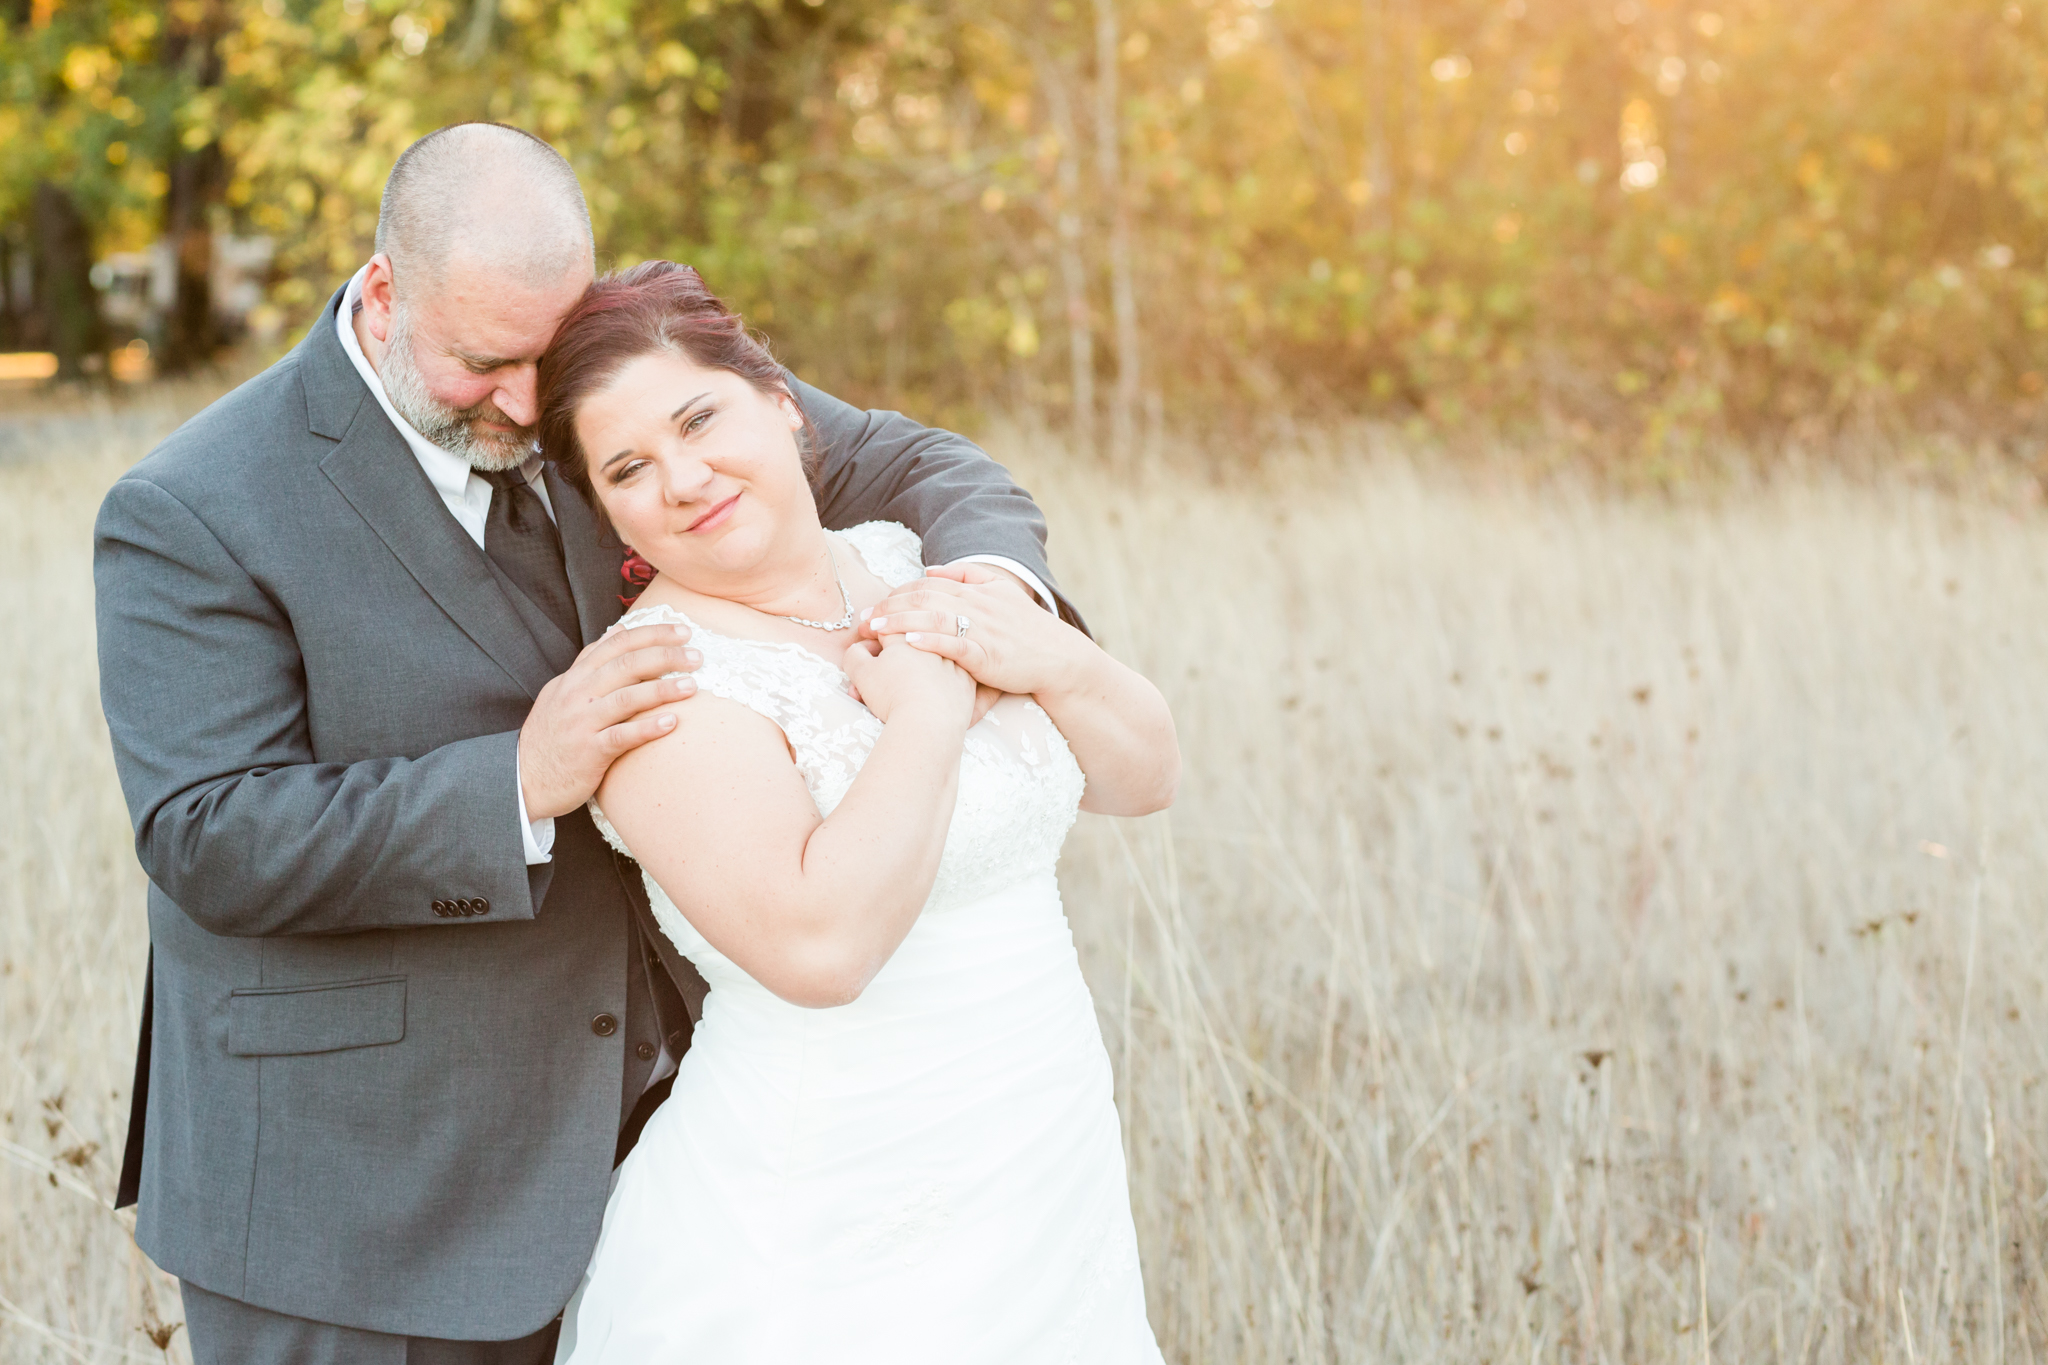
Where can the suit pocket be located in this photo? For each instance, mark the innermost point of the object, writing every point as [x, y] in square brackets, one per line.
[284, 1021]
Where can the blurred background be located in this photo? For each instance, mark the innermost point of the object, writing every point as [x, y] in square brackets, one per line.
[1575, 468]
[1643, 231]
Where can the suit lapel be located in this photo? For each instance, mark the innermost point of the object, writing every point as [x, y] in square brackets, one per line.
[375, 470]
[592, 554]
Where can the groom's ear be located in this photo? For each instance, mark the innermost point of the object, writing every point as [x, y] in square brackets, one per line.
[378, 297]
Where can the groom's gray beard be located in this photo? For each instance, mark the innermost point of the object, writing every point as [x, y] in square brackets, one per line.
[452, 429]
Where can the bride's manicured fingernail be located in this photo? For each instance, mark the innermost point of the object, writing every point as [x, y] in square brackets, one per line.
[866, 612]
[879, 622]
[913, 637]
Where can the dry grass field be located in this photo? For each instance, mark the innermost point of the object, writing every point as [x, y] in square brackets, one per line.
[1593, 929]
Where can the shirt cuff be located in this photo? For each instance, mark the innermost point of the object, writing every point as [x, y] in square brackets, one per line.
[537, 837]
[1030, 578]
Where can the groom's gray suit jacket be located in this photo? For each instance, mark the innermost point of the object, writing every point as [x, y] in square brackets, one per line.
[384, 1084]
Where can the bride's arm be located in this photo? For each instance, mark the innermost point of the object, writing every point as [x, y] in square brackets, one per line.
[811, 908]
[1114, 719]
[1117, 724]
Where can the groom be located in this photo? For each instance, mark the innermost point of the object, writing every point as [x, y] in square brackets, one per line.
[405, 1008]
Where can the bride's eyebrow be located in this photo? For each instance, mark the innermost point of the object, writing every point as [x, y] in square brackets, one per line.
[671, 417]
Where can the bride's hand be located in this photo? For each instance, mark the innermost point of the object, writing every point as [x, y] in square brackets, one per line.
[1012, 644]
[893, 678]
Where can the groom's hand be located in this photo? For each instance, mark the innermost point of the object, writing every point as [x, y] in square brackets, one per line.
[604, 705]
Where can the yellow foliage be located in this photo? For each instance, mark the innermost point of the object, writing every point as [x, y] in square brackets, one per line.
[1368, 204]
[86, 68]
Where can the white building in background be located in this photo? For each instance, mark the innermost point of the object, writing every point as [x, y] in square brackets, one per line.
[137, 288]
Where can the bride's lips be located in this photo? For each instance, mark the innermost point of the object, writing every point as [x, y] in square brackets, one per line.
[716, 517]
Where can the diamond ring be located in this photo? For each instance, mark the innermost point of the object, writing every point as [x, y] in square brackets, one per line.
[960, 624]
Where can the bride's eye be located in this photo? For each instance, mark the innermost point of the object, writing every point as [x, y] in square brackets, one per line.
[627, 470]
[696, 420]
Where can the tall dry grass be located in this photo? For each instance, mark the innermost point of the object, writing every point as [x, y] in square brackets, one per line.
[72, 933]
[1591, 929]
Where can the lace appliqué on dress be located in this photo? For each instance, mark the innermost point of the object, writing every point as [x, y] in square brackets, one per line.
[1019, 785]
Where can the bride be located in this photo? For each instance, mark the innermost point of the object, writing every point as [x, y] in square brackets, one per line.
[893, 1138]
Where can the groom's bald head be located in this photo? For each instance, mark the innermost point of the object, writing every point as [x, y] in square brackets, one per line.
[483, 246]
[482, 197]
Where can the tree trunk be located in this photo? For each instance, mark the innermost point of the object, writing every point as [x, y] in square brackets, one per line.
[191, 335]
[1073, 271]
[69, 304]
[1123, 291]
[476, 44]
[1378, 170]
[10, 309]
[197, 177]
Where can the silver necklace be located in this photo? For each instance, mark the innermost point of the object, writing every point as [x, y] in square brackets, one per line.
[845, 600]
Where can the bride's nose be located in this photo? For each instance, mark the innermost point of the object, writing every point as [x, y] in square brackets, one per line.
[684, 478]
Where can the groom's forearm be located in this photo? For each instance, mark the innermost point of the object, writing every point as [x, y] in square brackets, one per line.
[325, 848]
[235, 820]
[882, 466]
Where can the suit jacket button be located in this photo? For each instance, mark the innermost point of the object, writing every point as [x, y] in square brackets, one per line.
[645, 1052]
[465, 907]
[441, 909]
[483, 905]
[604, 1026]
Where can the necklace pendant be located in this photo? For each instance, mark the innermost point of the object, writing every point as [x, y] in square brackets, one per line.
[845, 601]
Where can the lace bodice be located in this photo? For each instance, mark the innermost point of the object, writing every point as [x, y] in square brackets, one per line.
[1020, 787]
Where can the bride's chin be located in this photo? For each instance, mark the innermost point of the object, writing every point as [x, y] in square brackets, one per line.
[724, 563]
[740, 540]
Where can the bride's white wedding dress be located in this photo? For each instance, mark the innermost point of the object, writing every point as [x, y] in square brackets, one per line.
[930, 1174]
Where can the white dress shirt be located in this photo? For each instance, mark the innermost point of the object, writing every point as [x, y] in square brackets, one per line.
[468, 498]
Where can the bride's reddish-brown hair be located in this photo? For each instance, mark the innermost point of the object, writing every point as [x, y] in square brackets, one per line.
[654, 308]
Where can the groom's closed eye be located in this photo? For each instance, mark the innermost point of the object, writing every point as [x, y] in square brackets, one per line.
[484, 364]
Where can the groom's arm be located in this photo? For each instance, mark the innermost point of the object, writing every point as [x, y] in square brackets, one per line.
[882, 466]
[203, 688]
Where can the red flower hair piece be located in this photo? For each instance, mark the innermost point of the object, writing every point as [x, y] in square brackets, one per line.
[638, 573]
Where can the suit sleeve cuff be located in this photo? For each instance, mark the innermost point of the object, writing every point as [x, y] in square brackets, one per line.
[1031, 579]
[537, 837]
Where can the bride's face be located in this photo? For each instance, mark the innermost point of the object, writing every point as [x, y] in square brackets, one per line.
[698, 470]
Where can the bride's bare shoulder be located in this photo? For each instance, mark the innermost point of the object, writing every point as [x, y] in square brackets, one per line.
[712, 736]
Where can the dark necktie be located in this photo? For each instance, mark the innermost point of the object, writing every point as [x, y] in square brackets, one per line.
[522, 540]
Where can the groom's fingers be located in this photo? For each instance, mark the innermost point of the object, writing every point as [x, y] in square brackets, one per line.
[631, 701]
[643, 665]
[608, 702]
[619, 642]
[618, 739]
[616, 655]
